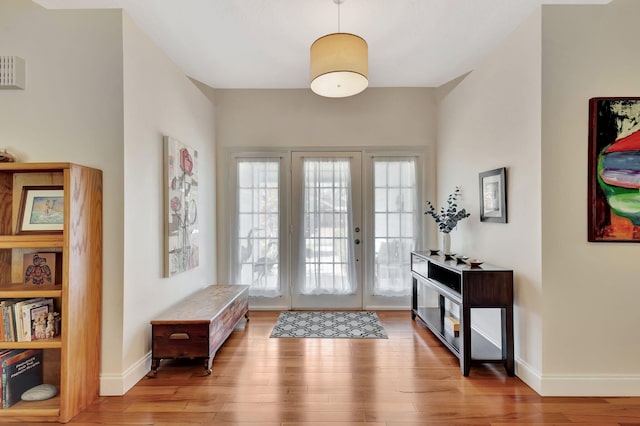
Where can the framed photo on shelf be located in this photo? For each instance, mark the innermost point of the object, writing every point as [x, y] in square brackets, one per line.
[493, 195]
[41, 210]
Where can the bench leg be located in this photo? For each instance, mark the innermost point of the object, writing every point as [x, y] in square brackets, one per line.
[207, 364]
[155, 364]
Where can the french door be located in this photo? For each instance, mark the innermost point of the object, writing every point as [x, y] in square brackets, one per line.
[334, 233]
[326, 231]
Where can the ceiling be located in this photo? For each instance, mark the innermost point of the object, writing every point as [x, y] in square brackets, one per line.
[265, 43]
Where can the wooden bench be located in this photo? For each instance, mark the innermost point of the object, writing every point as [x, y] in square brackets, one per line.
[197, 326]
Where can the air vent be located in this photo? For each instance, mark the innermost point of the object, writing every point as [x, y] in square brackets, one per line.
[11, 72]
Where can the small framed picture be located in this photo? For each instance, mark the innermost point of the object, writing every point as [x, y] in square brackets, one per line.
[42, 268]
[493, 195]
[41, 210]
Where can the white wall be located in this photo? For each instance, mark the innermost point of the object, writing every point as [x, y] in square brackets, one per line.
[526, 107]
[99, 93]
[591, 291]
[71, 111]
[264, 119]
[492, 119]
[158, 100]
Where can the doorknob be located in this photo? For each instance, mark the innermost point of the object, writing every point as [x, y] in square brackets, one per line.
[357, 241]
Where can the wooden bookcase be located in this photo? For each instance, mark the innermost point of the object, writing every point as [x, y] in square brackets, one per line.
[71, 360]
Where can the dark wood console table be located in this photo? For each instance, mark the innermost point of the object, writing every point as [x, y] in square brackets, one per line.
[484, 286]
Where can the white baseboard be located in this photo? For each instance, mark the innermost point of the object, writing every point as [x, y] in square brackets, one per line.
[577, 385]
[529, 375]
[267, 308]
[119, 384]
[590, 385]
[389, 308]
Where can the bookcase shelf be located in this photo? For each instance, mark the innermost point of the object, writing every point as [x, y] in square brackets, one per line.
[53, 343]
[70, 361]
[33, 411]
[20, 290]
[29, 241]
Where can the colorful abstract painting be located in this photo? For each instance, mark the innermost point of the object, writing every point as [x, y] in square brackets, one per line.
[614, 169]
[181, 207]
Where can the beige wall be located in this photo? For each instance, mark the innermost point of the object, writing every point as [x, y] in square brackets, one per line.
[99, 93]
[526, 107]
[71, 110]
[158, 100]
[298, 118]
[591, 290]
[488, 120]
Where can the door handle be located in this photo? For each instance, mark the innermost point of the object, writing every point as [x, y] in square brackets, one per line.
[357, 241]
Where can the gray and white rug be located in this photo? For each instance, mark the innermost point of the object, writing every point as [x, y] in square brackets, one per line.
[327, 324]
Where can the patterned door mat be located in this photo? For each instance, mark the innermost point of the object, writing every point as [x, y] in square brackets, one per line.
[331, 325]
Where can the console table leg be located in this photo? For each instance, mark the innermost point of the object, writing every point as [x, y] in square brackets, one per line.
[465, 333]
[507, 340]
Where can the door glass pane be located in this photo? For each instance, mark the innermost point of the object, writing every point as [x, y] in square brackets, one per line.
[326, 247]
[394, 230]
[257, 234]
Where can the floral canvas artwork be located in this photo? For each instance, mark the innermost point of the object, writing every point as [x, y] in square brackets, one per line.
[181, 207]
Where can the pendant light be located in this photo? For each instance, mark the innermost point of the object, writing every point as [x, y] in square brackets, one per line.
[339, 64]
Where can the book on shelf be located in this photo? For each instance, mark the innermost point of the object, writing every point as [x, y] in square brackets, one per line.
[17, 317]
[21, 370]
[8, 319]
[452, 326]
[2, 335]
[24, 320]
[42, 268]
[3, 354]
[34, 319]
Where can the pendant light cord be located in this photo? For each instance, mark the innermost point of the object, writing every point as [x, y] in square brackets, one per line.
[339, 15]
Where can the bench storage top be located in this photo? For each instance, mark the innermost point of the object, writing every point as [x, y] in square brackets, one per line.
[202, 306]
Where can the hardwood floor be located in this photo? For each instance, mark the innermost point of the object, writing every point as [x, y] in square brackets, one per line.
[409, 378]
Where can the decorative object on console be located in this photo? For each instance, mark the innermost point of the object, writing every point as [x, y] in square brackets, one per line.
[447, 219]
[181, 207]
[493, 196]
[614, 170]
[445, 243]
[7, 157]
[474, 263]
[41, 210]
